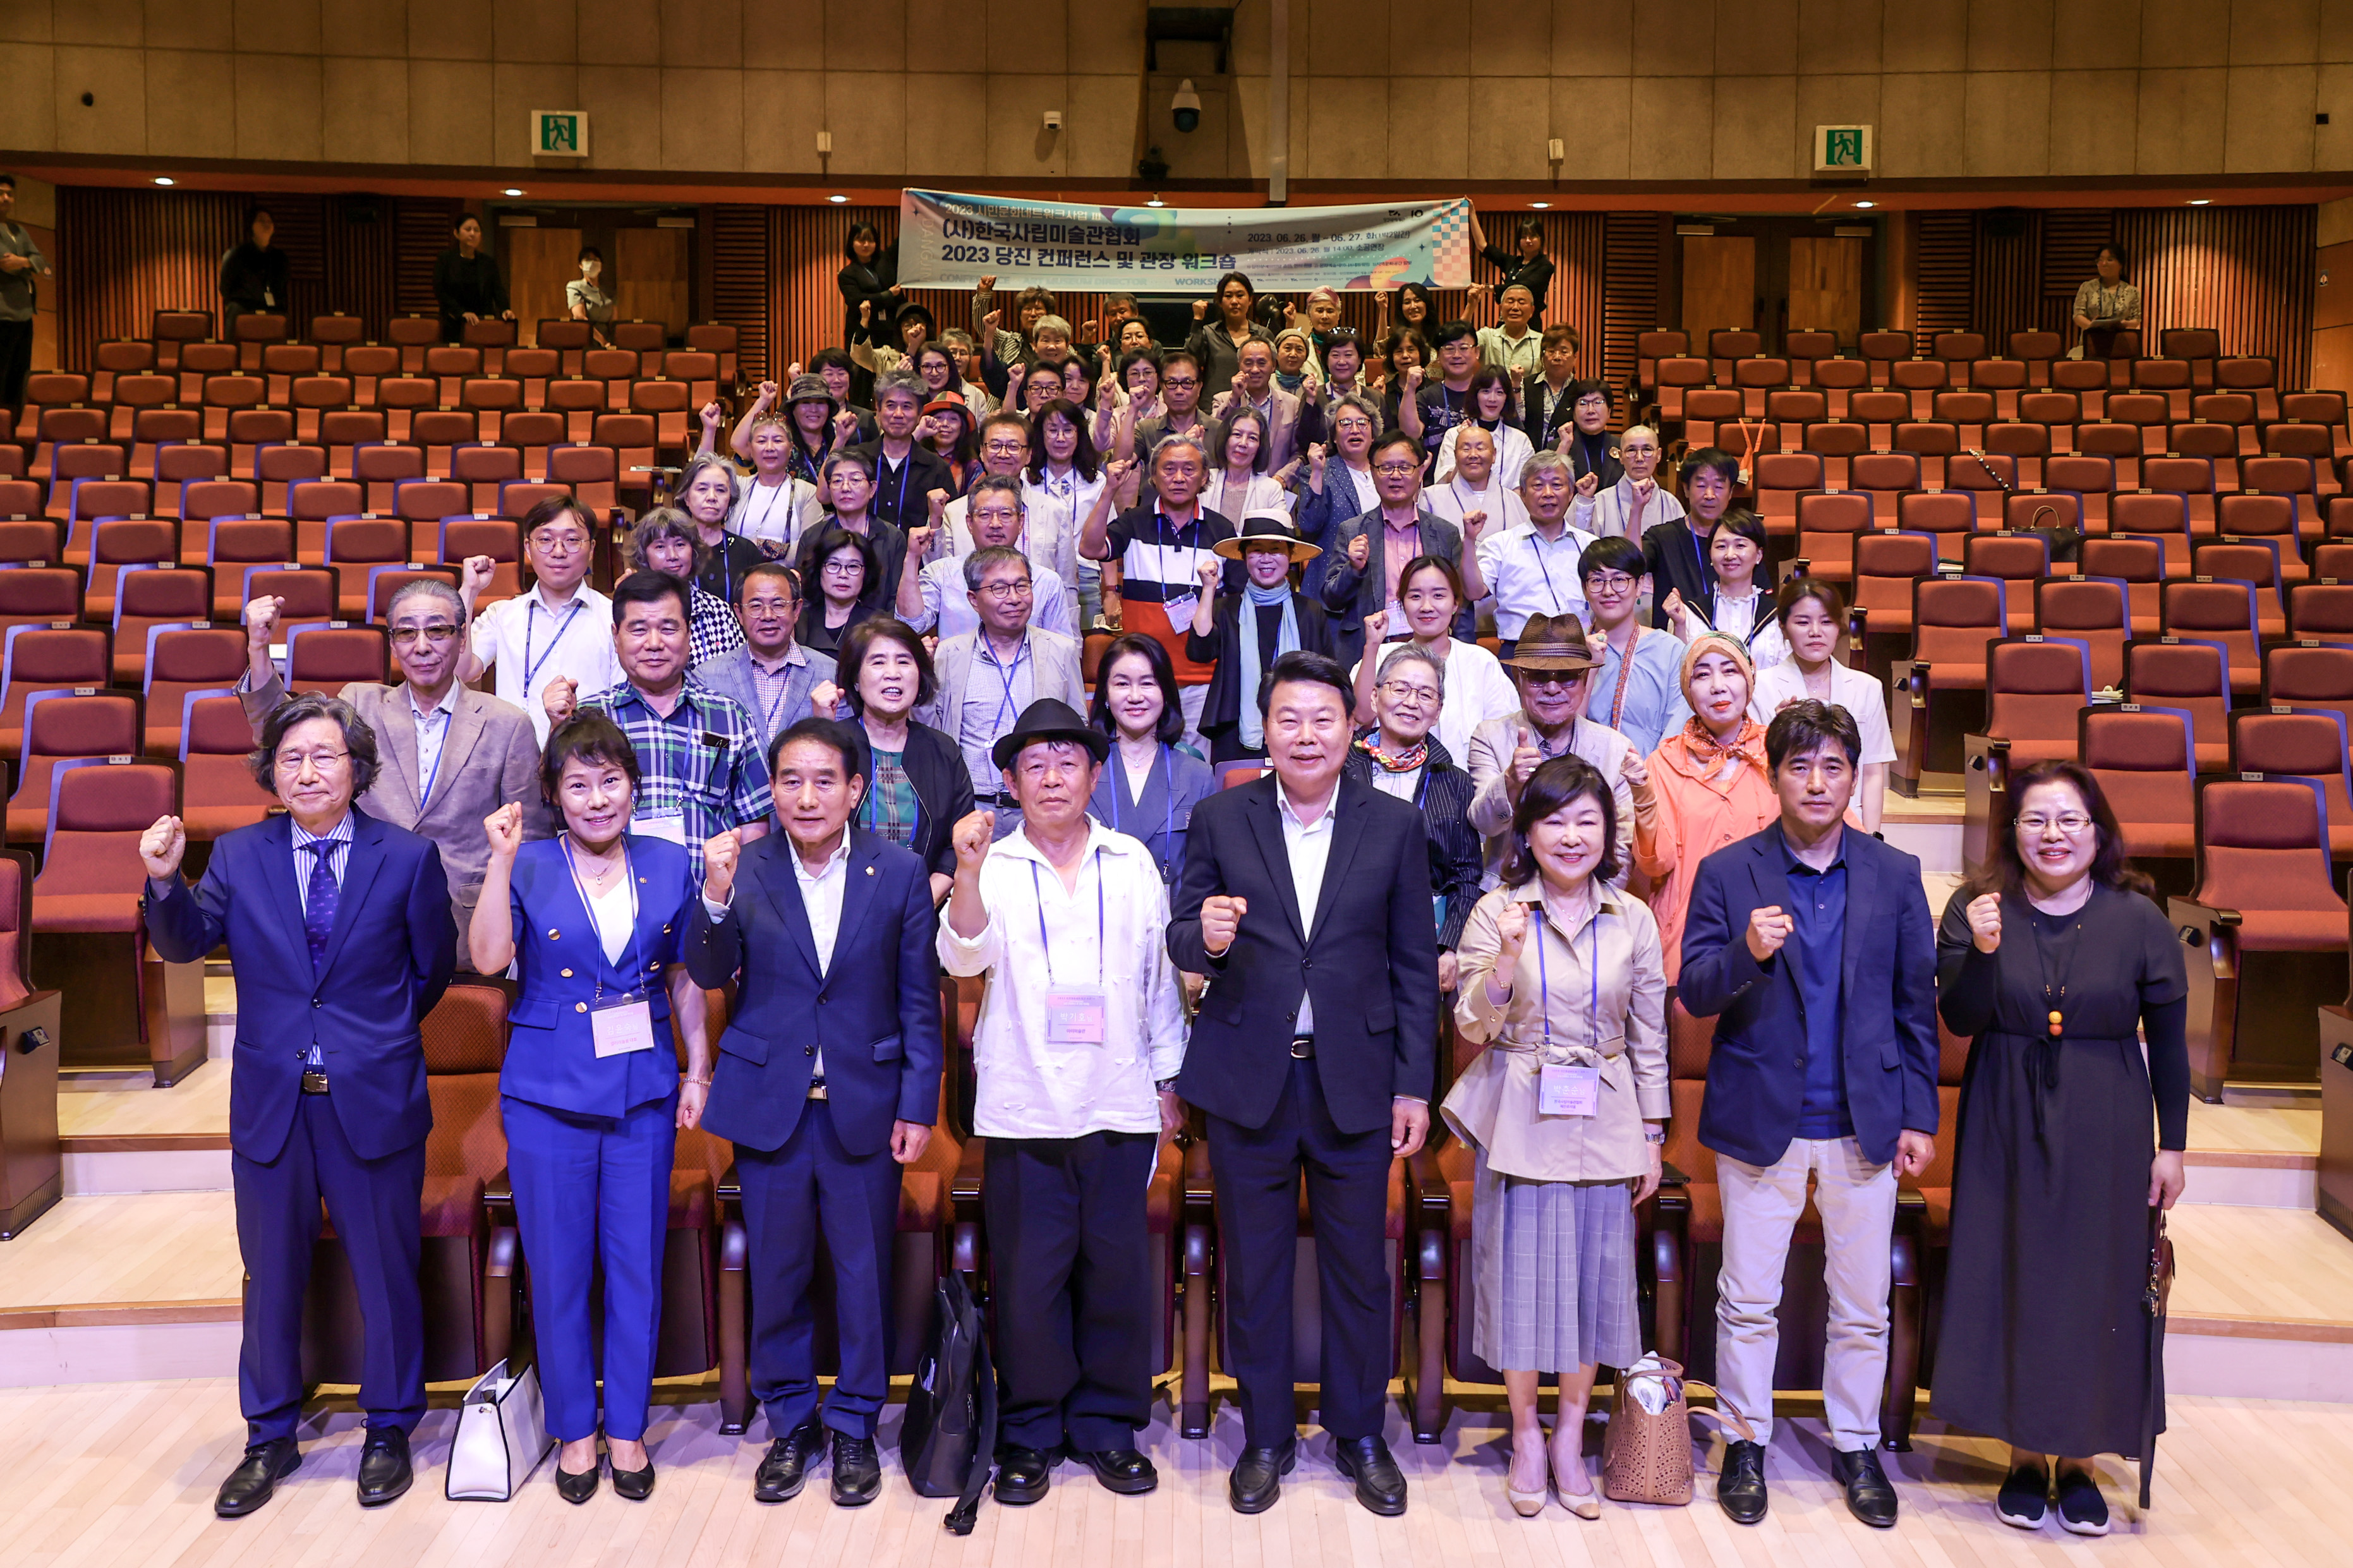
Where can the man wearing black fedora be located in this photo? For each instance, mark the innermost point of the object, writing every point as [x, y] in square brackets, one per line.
[1075, 1055]
[1279, 617]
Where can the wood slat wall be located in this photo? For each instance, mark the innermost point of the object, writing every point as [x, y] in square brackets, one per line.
[1945, 267]
[2248, 272]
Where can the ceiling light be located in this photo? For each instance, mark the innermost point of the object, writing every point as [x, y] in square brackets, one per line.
[1155, 201]
[2200, 201]
[1540, 207]
[512, 191]
[837, 201]
[162, 179]
[1866, 206]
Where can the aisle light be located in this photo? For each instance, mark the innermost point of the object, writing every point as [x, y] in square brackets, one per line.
[837, 200]
[162, 179]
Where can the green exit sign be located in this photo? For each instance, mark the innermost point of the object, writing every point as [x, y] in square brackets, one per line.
[559, 133]
[1843, 147]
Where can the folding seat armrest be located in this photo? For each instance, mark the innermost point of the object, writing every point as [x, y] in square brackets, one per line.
[498, 1193]
[1985, 778]
[1795, 566]
[731, 1184]
[966, 1238]
[1430, 1213]
[1908, 1251]
[733, 1307]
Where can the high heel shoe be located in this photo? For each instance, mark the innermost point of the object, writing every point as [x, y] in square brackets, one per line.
[1527, 1505]
[1586, 1504]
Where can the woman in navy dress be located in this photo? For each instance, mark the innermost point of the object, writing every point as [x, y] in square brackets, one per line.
[593, 920]
[1151, 785]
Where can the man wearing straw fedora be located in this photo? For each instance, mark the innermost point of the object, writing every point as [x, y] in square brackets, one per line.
[1553, 666]
[1279, 618]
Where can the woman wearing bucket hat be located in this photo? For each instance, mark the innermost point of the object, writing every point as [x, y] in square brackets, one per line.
[1282, 620]
[1710, 784]
[808, 411]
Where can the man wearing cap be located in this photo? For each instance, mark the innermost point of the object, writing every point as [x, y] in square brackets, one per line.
[1075, 1057]
[1282, 620]
[1552, 666]
[935, 597]
[989, 675]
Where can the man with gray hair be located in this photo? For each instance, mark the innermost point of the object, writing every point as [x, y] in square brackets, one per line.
[449, 755]
[990, 675]
[907, 474]
[937, 598]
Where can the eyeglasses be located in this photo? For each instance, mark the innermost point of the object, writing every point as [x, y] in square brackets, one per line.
[434, 632]
[843, 568]
[1405, 691]
[559, 543]
[1004, 592]
[1542, 679]
[1393, 470]
[2067, 821]
[1612, 582]
[1006, 448]
[291, 763]
[1179, 381]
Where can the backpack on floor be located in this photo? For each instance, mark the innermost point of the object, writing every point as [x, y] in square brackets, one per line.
[948, 1440]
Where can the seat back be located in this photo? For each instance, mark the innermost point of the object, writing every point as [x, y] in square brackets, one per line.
[2125, 559]
[2034, 687]
[98, 812]
[2320, 610]
[2162, 672]
[2091, 612]
[1954, 618]
[1947, 514]
[2257, 517]
[2262, 845]
[1885, 567]
[2298, 677]
[465, 1039]
[326, 658]
[2307, 745]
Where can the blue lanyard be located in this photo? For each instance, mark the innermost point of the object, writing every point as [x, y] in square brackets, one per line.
[906, 472]
[439, 752]
[629, 875]
[1544, 981]
[1039, 888]
[784, 690]
[1005, 675]
[529, 612]
[1536, 546]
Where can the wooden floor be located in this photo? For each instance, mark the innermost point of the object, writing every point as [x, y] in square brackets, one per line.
[124, 1474]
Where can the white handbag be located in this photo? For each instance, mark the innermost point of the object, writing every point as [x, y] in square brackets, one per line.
[501, 1437]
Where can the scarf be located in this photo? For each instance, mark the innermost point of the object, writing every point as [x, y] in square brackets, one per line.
[1707, 754]
[1286, 640]
[1407, 761]
[1291, 383]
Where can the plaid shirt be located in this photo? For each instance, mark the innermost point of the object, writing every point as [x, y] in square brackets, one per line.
[712, 628]
[703, 760]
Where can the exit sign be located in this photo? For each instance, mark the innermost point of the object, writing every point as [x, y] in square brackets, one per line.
[559, 133]
[1843, 147]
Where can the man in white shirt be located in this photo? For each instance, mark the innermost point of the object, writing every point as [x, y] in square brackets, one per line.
[1637, 502]
[561, 630]
[1081, 1035]
[1531, 570]
[934, 599]
[1554, 667]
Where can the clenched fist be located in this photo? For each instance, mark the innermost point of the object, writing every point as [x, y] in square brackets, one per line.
[1473, 524]
[1526, 758]
[1221, 916]
[824, 700]
[160, 846]
[1984, 921]
[1210, 568]
[972, 838]
[1587, 483]
[719, 855]
[477, 572]
[260, 615]
[1511, 935]
[1361, 549]
[560, 697]
[504, 828]
[1769, 928]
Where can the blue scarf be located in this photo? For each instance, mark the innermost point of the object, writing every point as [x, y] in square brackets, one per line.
[1286, 640]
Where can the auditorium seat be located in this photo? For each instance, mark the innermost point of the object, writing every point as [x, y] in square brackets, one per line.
[2269, 933]
[311, 398]
[579, 401]
[2094, 611]
[1987, 479]
[1711, 416]
[254, 333]
[1779, 481]
[2254, 562]
[173, 331]
[1674, 379]
[1934, 445]
[449, 365]
[355, 547]
[32, 1179]
[698, 368]
[1886, 566]
[2036, 687]
[1953, 620]
[335, 335]
[47, 656]
[2057, 412]
[218, 793]
[227, 395]
[720, 340]
[42, 596]
[283, 365]
[2316, 676]
[401, 399]
[531, 368]
[2034, 508]
[1920, 379]
[2326, 408]
[1653, 347]
[47, 389]
[2002, 380]
[498, 537]
[2161, 519]
[2091, 477]
[2256, 377]
[1879, 352]
[199, 363]
[279, 469]
[383, 470]
[26, 539]
[646, 340]
[482, 471]
[1968, 413]
[60, 726]
[1886, 478]
[1943, 516]
[2189, 676]
[152, 597]
[589, 473]
[1828, 529]
[124, 1007]
[116, 359]
[1839, 380]
[309, 593]
[2300, 744]
[309, 505]
[2086, 378]
[2141, 756]
[2222, 614]
[413, 335]
[181, 661]
[1757, 377]
[118, 543]
[386, 581]
[325, 658]
[136, 396]
[234, 545]
[1879, 411]
[569, 339]
[2295, 478]
[2191, 478]
[2017, 560]
[370, 365]
[2320, 611]
[2198, 347]
[2166, 379]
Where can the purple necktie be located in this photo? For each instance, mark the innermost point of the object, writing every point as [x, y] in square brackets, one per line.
[318, 908]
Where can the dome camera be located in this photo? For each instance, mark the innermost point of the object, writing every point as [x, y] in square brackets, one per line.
[1186, 106]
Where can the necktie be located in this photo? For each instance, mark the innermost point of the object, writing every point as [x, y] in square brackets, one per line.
[319, 907]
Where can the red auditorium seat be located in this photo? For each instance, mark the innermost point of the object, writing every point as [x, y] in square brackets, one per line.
[327, 658]
[1947, 518]
[2017, 560]
[370, 365]
[44, 596]
[2170, 672]
[1839, 380]
[2222, 613]
[569, 339]
[181, 662]
[2086, 378]
[2257, 377]
[718, 339]
[309, 593]
[2320, 612]
[60, 726]
[1953, 619]
[2003, 379]
[498, 537]
[2309, 743]
[2036, 688]
[1828, 529]
[37, 658]
[413, 335]
[335, 334]
[2094, 611]
[2142, 758]
[219, 794]
[115, 360]
[126, 545]
[356, 546]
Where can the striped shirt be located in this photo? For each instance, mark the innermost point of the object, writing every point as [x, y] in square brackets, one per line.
[338, 857]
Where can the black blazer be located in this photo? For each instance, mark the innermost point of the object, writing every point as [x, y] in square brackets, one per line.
[1676, 562]
[1456, 850]
[1221, 706]
[1373, 1041]
[934, 765]
[1755, 1072]
[1581, 461]
[874, 1011]
[928, 472]
[871, 282]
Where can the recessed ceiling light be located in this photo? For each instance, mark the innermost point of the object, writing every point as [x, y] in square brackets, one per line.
[162, 179]
[1866, 206]
[1155, 201]
[837, 200]
[2200, 201]
[512, 191]
[1540, 207]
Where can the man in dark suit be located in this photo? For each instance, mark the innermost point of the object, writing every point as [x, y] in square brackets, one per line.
[906, 471]
[1301, 895]
[339, 929]
[828, 1081]
[1676, 550]
[1812, 949]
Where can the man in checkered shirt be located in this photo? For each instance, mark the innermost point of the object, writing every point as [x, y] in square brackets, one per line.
[700, 770]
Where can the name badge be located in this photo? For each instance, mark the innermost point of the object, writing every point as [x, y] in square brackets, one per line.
[670, 825]
[1180, 608]
[1075, 1016]
[622, 1023]
[1563, 1090]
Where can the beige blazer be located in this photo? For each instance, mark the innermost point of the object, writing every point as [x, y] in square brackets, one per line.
[1619, 1026]
[490, 757]
[1057, 674]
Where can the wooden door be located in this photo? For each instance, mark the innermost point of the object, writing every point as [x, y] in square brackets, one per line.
[1826, 286]
[1719, 285]
[653, 270]
[539, 263]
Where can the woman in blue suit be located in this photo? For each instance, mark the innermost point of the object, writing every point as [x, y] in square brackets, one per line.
[593, 920]
[1150, 791]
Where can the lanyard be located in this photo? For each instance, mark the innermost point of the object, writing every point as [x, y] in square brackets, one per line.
[529, 612]
[1536, 547]
[1039, 887]
[1593, 968]
[426, 793]
[906, 472]
[784, 680]
[1160, 548]
[629, 875]
[1625, 678]
[1005, 675]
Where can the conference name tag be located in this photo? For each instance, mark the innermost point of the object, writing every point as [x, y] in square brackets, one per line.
[622, 1025]
[1076, 1016]
[670, 825]
[1563, 1090]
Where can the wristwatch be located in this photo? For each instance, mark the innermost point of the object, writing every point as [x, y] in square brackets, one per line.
[1165, 1085]
[1652, 1134]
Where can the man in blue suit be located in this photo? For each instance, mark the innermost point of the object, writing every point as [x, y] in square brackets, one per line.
[338, 926]
[828, 1081]
[1812, 947]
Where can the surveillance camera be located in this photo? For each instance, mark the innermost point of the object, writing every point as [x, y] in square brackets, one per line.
[1186, 106]
[1054, 120]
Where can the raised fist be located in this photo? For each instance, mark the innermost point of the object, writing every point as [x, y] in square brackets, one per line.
[1587, 483]
[988, 282]
[476, 575]
[972, 838]
[160, 846]
[719, 854]
[260, 615]
[1473, 522]
[769, 391]
[1769, 928]
[1412, 377]
[1200, 309]
[504, 828]
[824, 700]
[1221, 916]
[559, 697]
[1511, 935]
[1208, 569]
[845, 428]
[712, 414]
[1361, 549]
[1984, 921]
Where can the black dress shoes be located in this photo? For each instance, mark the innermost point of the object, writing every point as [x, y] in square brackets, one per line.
[1868, 1496]
[1122, 1470]
[385, 1471]
[856, 1470]
[580, 1487]
[1380, 1485]
[1024, 1474]
[257, 1476]
[1257, 1478]
[784, 1470]
[1740, 1489]
[635, 1485]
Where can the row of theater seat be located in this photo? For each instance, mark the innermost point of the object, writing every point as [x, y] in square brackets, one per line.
[175, 336]
[1876, 356]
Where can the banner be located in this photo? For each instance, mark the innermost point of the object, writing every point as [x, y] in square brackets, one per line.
[952, 241]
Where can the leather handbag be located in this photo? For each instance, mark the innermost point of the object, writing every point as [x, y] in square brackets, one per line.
[2157, 1297]
[948, 1440]
[1646, 1457]
[501, 1437]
